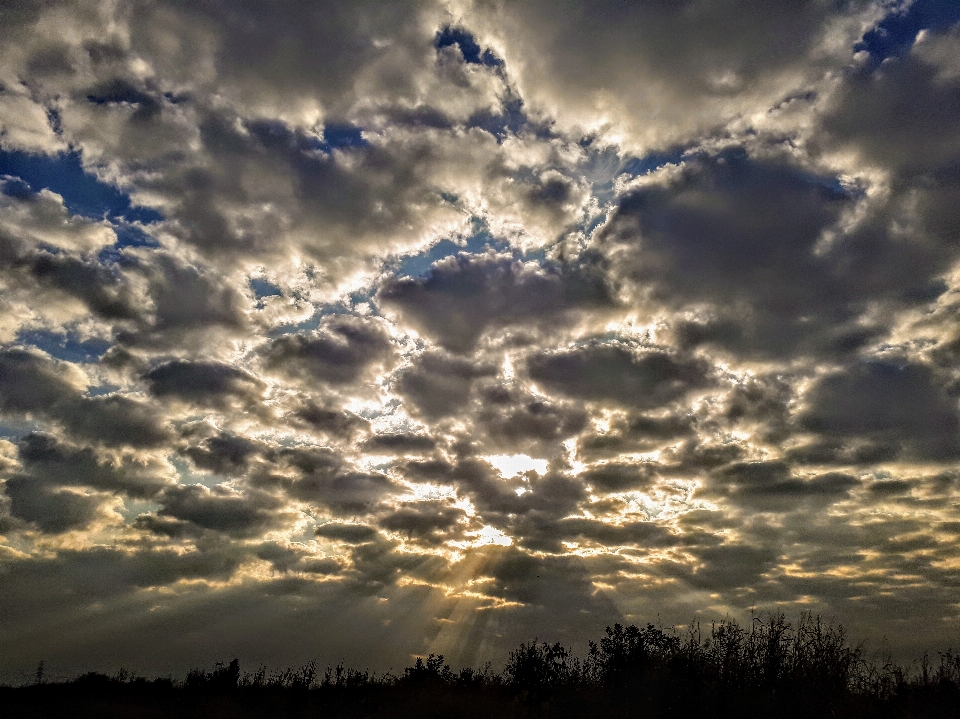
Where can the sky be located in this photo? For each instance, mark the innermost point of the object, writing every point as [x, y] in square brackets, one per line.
[362, 330]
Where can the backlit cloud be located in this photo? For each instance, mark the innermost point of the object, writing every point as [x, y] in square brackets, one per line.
[356, 329]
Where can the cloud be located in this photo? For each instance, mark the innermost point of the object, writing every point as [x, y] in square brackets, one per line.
[33, 382]
[899, 405]
[322, 477]
[769, 486]
[653, 74]
[740, 241]
[613, 373]
[203, 383]
[55, 463]
[902, 114]
[224, 453]
[282, 288]
[350, 533]
[61, 487]
[53, 511]
[617, 477]
[519, 422]
[439, 385]
[636, 433]
[32, 219]
[430, 521]
[463, 296]
[331, 421]
[399, 443]
[222, 509]
[338, 352]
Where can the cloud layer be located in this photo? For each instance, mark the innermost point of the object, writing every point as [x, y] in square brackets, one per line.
[352, 330]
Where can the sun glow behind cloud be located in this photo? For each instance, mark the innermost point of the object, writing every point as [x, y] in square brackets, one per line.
[510, 465]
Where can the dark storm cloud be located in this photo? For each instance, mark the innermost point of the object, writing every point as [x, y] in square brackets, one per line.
[914, 139]
[241, 514]
[428, 521]
[189, 297]
[52, 462]
[338, 352]
[337, 423]
[464, 296]
[771, 486]
[730, 566]
[346, 493]
[661, 71]
[50, 491]
[114, 419]
[286, 558]
[618, 477]
[549, 497]
[31, 382]
[399, 443]
[40, 587]
[889, 487]
[377, 565]
[848, 451]
[519, 422]
[149, 298]
[328, 42]
[645, 534]
[350, 533]
[762, 400]
[694, 456]
[559, 583]
[50, 509]
[438, 384]
[899, 405]
[324, 478]
[203, 383]
[636, 433]
[617, 374]
[224, 453]
[904, 113]
[101, 290]
[739, 234]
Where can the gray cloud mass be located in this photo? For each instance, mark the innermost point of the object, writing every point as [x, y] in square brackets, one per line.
[371, 329]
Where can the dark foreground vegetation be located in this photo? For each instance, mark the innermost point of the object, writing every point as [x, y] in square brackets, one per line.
[768, 669]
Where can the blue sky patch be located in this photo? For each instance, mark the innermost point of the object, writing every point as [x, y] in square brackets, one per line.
[67, 347]
[419, 265]
[18, 189]
[895, 34]
[261, 288]
[83, 194]
[127, 236]
[343, 135]
[468, 45]
[637, 166]
[119, 91]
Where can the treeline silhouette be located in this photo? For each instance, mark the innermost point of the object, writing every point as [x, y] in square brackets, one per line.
[770, 668]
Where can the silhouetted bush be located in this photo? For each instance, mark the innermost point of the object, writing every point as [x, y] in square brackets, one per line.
[537, 667]
[769, 668]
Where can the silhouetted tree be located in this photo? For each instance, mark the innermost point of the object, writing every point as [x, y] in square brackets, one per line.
[431, 671]
[537, 667]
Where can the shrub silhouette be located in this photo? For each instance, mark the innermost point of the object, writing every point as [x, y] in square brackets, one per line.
[537, 667]
[767, 668]
[431, 671]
